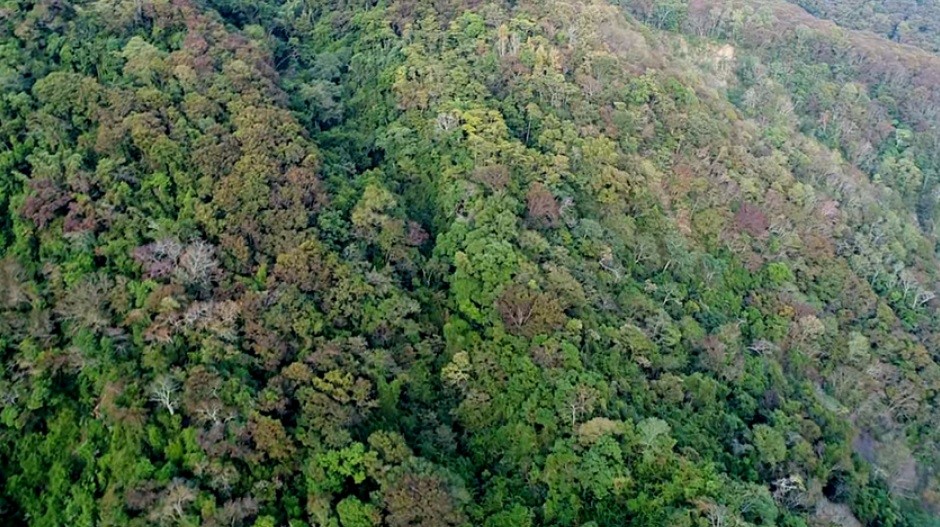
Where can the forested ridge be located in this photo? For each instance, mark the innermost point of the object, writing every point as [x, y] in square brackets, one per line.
[437, 263]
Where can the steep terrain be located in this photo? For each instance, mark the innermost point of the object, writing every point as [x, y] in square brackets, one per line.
[912, 22]
[438, 263]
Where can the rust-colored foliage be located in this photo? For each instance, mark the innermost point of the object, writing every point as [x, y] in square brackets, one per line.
[751, 220]
[45, 203]
[528, 313]
[420, 500]
[270, 438]
[542, 207]
[416, 236]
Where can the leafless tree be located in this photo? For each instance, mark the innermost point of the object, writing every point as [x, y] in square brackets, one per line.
[446, 121]
[762, 347]
[173, 503]
[13, 292]
[236, 512]
[163, 392]
[159, 258]
[214, 413]
[789, 491]
[609, 264]
[85, 303]
[582, 402]
[8, 394]
[197, 314]
[197, 265]
[717, 514]
[921, 297]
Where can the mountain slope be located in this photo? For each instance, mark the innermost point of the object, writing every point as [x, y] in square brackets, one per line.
[913, 23]
[431, 263]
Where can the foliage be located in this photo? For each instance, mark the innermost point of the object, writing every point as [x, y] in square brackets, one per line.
[445, 264]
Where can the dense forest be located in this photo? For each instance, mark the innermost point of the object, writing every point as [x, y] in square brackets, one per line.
[346, 263]
[913, 22]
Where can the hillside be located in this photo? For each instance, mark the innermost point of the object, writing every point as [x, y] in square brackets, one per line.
[432, 263]
[910, 22]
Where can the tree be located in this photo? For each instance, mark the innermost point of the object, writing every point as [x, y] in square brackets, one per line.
[543, 209]
[770, 444]
[492, 238]
[413, 499]
[354, 513]
[163, 392]
[528, 313]
[236, 512]
[197, 266]
[45, 203]
[751, 220]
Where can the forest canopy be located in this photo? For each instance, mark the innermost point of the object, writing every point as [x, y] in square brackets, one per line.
[434, 263]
